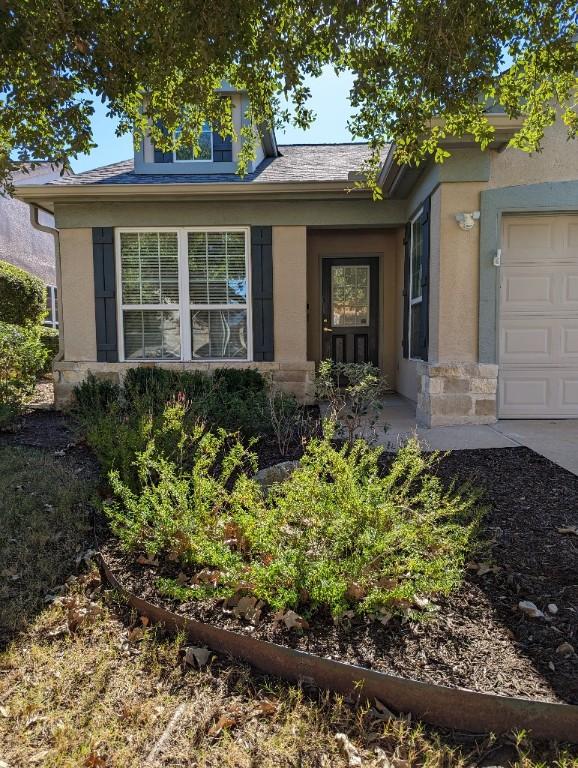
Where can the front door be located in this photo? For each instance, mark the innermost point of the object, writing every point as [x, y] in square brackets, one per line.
[350, 291]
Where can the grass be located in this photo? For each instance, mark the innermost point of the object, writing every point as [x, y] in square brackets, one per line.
[44, 518]
[85, 684]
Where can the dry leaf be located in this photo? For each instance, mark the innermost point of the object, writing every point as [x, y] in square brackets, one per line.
[94, 760]
[181, 579]
[182, 545]
[207, 576]
[267, 707]
[349, 750]
[530, 609]
[572, 529]
[565, 649]
[225, 721]
[234, 537]
[249, 608]
[39, 756]
[355, 591]
[146, 560]
[80, 611]
[482, 568]
[199, 655]
[292, 620]
[4, 712]
[384, 711]
[136, 635]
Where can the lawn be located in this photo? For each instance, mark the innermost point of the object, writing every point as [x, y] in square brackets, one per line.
[84, 683]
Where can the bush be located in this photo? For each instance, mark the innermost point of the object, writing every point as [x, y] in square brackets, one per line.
[22, 357]
[118, 421]
[22, 296]
[290, 423]
[352, 392]
[49, 340]
[338, 534]
[232, 399]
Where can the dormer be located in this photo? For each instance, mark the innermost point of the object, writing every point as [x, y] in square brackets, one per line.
[216, 155]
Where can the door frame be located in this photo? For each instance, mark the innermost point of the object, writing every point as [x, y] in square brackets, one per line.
[354, 257]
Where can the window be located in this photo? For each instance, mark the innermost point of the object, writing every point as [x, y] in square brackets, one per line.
[52, 306]
[218, 294]
[415, 287]
[205, 151]
[184, 294]
[350, 296]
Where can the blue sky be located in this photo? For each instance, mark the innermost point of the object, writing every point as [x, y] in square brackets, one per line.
[329, 101]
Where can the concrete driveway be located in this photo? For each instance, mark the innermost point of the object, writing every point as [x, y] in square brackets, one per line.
[557, 440]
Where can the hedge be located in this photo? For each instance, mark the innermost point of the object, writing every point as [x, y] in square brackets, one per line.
[49, 340]
[22, 358]
[22, 296]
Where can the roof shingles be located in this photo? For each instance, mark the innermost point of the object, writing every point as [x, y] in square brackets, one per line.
[295, 163]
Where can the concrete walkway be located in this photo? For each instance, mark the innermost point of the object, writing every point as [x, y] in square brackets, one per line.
[556, 440]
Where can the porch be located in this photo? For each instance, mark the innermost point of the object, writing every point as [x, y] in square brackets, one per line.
[556, 439]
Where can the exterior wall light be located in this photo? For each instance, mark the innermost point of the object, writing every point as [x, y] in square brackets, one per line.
[467, 220]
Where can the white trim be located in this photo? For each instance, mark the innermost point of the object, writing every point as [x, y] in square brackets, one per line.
[418, 299]
[184, 306]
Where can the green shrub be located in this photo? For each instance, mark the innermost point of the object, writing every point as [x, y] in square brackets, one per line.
[22, 358]
[94, 396]
[152, 388]
[22, 296]
[352, 392]
[182, 498]
[337, 534]
[49, 340]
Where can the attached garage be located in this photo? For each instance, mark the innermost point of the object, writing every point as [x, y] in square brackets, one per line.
[538, 317]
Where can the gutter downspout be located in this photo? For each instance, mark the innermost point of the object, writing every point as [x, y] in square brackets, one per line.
[34, 220]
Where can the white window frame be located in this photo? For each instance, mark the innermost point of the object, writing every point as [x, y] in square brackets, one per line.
[418, 299]
[197, 159]
[185, 305]
[51, 321]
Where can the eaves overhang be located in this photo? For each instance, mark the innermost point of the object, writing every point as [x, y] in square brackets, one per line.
[396, 180]
[47, 195]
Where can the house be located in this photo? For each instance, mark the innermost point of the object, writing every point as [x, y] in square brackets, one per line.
[23, 245]
[461, 284]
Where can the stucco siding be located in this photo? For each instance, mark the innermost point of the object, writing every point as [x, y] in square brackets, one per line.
[558, 161]
[246, 212]
[290, 293]
[77, 295]
[458, 275]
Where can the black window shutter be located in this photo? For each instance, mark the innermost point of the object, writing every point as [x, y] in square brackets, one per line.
[160, 156]
[105, 294]
[425, 248]
[262, 290]
[222, 149]
[406, 289]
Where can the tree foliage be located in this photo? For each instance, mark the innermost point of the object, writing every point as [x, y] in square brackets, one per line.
[423, 69]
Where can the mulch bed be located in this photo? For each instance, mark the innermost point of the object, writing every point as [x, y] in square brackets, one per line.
[478, 639]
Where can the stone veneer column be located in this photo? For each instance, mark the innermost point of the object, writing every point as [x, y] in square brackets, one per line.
[456, 393]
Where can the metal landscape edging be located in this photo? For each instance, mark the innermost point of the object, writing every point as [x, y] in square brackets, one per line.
[456, 708]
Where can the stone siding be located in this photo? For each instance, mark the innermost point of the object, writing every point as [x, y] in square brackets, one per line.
[292, 378]
[456, 393]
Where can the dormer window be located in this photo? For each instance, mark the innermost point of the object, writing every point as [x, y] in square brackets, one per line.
[204, 153]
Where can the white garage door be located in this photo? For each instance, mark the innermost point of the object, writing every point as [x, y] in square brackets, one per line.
[538, 337]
